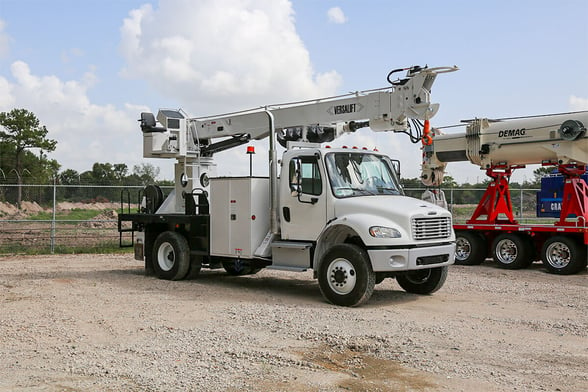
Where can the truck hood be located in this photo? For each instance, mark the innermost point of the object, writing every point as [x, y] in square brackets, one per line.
[390, 211]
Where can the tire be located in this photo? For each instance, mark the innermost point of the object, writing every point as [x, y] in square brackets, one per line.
[425, 281]
[471, 248]
[345, 275]
[512, 251]
[236, 267]
[563, 255]
[171, 256]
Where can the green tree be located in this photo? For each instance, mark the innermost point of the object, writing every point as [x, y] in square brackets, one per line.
[448, 182]
[541, 172]
[146, 172]
[23, 130]
[121, 171]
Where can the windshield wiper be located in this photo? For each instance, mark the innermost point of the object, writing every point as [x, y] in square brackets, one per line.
[393, 190]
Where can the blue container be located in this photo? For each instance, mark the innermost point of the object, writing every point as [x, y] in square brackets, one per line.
[550, 196]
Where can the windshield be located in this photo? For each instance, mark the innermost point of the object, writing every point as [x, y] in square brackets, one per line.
[360, 174]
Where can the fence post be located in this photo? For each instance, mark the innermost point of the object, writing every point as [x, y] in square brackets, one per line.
[53, 218]
[521, 208]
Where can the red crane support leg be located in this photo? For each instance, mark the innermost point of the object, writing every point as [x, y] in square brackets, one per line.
[575, 196]
[496, 199]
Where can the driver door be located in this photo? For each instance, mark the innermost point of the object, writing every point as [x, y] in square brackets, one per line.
[303, 209]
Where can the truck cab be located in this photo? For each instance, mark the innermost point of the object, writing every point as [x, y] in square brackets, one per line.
[351, 199]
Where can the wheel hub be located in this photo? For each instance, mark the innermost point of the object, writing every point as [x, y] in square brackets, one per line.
[339, 276]
[462, 249]
[506, 251]
[558, 255]
[342, 276]
[166, 256]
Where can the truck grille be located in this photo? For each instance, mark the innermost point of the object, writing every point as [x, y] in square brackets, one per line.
[431, 228]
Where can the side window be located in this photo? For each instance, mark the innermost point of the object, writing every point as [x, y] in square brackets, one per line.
[305, 175]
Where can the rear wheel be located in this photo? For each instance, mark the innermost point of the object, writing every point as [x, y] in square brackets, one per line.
[563, 255]
[425, 281]
[345, 275]
[471, 248]
[171, 256]
[512, 251]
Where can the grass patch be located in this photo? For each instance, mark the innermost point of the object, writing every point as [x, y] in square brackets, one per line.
[76, 214]
[64, 250]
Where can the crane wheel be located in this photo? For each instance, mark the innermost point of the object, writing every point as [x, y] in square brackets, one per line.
[471, 248]
[563, 255]
[512, 251]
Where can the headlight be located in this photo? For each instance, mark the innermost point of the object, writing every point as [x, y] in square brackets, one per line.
[384, 232]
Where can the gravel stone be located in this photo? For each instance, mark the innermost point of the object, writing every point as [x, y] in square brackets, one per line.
[96, 322]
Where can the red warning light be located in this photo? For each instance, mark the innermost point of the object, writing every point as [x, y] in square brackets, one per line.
[250, 150]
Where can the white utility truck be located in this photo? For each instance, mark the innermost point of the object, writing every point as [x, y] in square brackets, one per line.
[499, 147]
[339, 211]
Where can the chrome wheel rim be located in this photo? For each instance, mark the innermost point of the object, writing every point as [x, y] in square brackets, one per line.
[558, 255]
[463, 249]
[506, 251]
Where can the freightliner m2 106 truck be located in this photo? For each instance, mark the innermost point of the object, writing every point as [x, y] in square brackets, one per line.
[340, 212]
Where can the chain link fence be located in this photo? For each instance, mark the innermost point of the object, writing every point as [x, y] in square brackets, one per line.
[83, 218]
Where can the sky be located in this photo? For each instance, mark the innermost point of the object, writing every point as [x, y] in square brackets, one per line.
[87, 68]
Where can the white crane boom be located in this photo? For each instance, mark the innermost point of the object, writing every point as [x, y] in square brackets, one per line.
[556, 139]
[319, 120]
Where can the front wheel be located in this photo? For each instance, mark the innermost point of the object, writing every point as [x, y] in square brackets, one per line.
[425, 281]
[345, 275]
[171, 256]
[563, 256]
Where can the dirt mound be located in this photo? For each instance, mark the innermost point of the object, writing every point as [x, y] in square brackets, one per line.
[27, 208]
[105, 219]
[31, 207]
[66, 205]
[7, 209]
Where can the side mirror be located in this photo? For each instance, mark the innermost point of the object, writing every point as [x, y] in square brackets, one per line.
[295, 177]
[296, 181]
[396, 166]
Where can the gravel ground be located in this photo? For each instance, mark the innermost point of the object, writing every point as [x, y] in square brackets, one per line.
[95, 322]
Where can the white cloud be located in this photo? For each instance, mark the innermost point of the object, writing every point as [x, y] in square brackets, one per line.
[224, 55]
[4, 40]
[336, 15]
[578, 103]
[85, 132]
